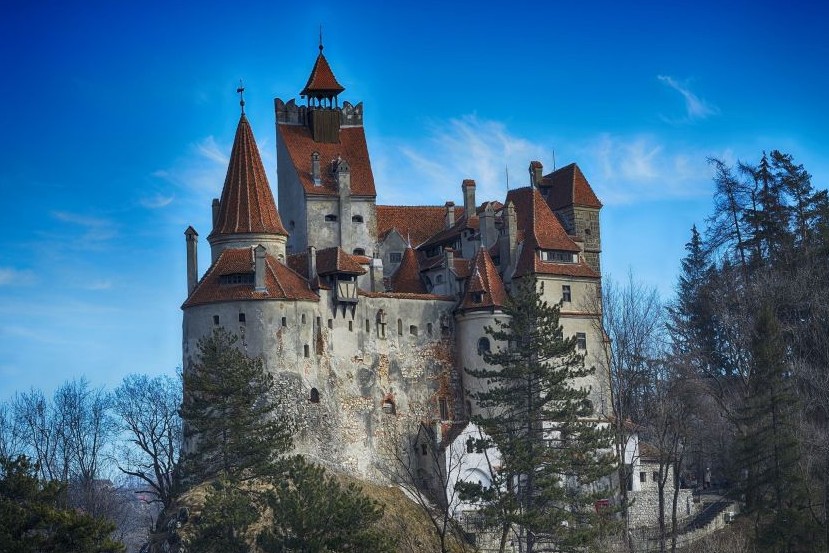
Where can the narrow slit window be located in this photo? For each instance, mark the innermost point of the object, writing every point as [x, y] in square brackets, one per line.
[400, 327]
[241, 317]
[330, 323]
[302, 318]
[351, 326]
[216, 320]
[315, 396]
[306, 350]
[284, 321]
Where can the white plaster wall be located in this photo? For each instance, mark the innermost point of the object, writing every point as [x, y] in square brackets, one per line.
[470, 328]
[291, 198]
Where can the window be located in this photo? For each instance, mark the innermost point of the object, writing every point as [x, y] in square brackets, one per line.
[429, 329]
[330, 218]
[315, 396]
[356, 218]
[388, 406]
[444, 409]
[395, 257]
[306, 350]
[433, 251]
[284, 321]
[424, 450]
[351, 326]
[330, 323]
[565, 293]
[477, 297]
[413, 330]
[557, 256]
[236, 278]
[399, 327]
[439, 279]
[319, 322]
[359, 251]
[643, 477]
[241, 317]
[655, 476]
[470, 445]
[368, 325]
[581, 340]
[302, 318]
[483, 346]
[216, 320]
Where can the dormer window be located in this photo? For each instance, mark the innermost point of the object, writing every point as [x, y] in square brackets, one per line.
[395, 257]
[356, 218]
[359, 251]
[235, 278]
[433, 251]
[557, 256]
[477, 297]
[330, 218]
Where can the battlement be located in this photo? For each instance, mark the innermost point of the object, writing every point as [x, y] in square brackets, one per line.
[289, 113]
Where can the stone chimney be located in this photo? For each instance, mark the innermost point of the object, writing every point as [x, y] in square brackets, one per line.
[468, 187]
[315, 169]
[259, 268]
[192, 239]
[377, 275]
[487, 228]
[343, 174]
[509, 244]
[215, 211]
[450, 214]
[536, 169]
[312, 263]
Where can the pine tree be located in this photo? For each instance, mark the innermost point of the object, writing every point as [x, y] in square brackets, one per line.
[231, 419]
[224, 523]
[555, 463]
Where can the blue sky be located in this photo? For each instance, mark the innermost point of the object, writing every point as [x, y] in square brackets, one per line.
[118, 117]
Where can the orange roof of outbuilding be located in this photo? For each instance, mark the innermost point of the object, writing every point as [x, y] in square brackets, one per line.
[351, 147]
[247, 204]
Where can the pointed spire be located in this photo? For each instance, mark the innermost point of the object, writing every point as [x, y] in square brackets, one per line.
[322, 84]
[407, 276]
[247, 204]
[485, 289]
[241, 92]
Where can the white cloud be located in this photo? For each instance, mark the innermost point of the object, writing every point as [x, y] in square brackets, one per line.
[95, 230]
[156, 201]
[199, 174]
[695, 107]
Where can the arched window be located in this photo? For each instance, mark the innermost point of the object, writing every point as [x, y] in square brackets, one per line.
[359, 251]
[356, 218]
[483, 346]
[331, 218]
[315, 396]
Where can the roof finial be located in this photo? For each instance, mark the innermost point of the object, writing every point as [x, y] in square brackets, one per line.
[321, 39]
[241, 92]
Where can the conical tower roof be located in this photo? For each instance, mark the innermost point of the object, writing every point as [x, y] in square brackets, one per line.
[322, 83]
[485, 289]
[407, 276]
[247, 204]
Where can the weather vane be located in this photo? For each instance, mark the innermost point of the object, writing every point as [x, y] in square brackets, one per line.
[241, 92]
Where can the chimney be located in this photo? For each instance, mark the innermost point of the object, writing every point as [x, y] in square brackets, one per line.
[488, 233]
[449, 260]
[215, 211]
[468, 187]
[259, 268]
[536, 168]
[343, 174]
[192, 239]
[312, 263]
[315, 168]
[511, 228]
[450, 214]
[377, 275]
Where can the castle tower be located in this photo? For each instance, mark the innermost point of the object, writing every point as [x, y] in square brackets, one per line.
[246, 215]
[326, 185]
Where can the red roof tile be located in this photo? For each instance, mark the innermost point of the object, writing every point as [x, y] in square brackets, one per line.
[537, 221]
[529, 262]
[321, 83]
[406, 278]
[416, 223]
[351, 147]
[449, 235]
[405, 296]
[247, 204]
[281, 283]
[334, 260]
[569, 186]
[484, 284]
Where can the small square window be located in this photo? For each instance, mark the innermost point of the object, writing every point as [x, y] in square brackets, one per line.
[395, 257]
[216, 320]
[284, 321]
[643, 477]
[413, 330]
[241, 317]
[581, 340]
[565, 293]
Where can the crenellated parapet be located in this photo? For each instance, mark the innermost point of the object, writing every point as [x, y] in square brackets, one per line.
[290, 113]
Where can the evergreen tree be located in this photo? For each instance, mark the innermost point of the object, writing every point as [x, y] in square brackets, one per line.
[554, 462]
[232, 424]
[228, 513]
[32, 521]
[314, 513]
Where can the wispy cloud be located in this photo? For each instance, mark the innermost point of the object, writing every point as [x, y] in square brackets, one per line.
[695, 107]
[157, 201]
[622, 168]
[95, 230]
[9, 276]
[198, 174]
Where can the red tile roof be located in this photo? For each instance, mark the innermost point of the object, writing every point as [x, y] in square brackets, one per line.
[417, 223]
[334, 260]
[405, 296]
[406, 278]
[281, 283]
[247, 204]
[536, 220]
[529, 262]
[321, 83]
[485, 283]
[351, 147]
[569, 186]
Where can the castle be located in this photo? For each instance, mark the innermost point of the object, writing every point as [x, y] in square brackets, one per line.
[367, 314]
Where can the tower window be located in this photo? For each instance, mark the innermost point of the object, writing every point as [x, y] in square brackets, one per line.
[368, 325]
[477, 297]
[284, 321]
[413, 330]
[565, 293]
[439, 279]
[429, 329]
[306, 350]
[581, 340]
[395, 257]
[302, 318]
[359, 251]
[241, 317]
[330, 323]
[444, 409]
[351, 326]
[356, 218]
[483, 346]
[400, 327]
[315, 396]
[330, 218]
[216, 320]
